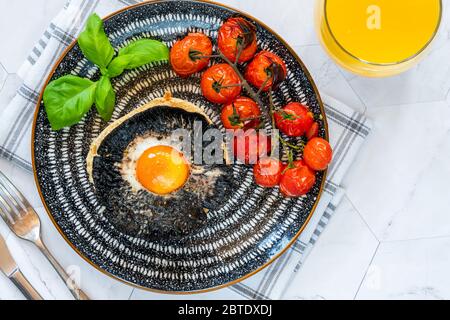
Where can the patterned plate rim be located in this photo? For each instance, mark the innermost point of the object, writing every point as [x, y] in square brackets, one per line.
[275, 257]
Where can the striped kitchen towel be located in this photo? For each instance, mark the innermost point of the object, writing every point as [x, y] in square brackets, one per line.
[348, 131]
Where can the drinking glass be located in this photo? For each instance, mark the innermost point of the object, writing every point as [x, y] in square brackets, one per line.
[377, 38]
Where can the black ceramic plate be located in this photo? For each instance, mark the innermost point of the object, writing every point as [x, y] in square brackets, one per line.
[251, 229]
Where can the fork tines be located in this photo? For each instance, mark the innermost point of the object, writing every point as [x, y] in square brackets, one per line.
[12, 203]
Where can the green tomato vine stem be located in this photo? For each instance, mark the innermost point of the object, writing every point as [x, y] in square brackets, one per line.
[268, 113]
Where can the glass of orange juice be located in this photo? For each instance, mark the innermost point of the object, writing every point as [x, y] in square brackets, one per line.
[377, 38]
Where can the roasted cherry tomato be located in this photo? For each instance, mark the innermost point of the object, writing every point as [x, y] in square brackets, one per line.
[297, 180]
[267, 70]
[221, 84]
[237, 35]
[251, 145]
[318, 154]
[294, 120]
[191, 54]
[313, 132]
[242, 113]
[267, 172]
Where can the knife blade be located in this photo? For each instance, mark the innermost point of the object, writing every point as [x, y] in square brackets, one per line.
[10, 268]
[7, 264]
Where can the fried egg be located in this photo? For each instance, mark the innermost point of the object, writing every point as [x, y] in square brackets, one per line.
[146, 181]
[155, 164]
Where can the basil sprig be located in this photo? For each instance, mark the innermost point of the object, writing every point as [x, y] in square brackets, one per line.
[105, 99]
[69, 98]
[136, 54]
[95, 44]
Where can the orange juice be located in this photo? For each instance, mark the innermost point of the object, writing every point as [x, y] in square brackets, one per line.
[377, 37]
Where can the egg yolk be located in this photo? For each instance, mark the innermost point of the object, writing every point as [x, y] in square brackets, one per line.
[162, 170]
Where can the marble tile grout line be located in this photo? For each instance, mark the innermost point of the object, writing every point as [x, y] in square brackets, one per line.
[366, 109]
[447, 95]
[362, 218]
[396, 240]
[416, 239]
[406, 104]
[131, 294]
[6, 78]
[308, 45]
[367, 270]
[376, 249]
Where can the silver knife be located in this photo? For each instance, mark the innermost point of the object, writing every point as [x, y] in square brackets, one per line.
[10, 268]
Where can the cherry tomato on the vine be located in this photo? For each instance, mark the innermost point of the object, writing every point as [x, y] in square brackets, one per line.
[242, 113]
[318, 154]
[221, 84]
[237, 36]
[267, 172]
[294, 120]
[251, 145]
[266, 70]
[191, 54]
[313, 132]
[297, 180]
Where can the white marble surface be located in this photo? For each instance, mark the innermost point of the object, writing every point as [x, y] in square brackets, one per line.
[389, 238]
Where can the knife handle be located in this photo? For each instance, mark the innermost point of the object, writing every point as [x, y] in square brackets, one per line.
[25, 286]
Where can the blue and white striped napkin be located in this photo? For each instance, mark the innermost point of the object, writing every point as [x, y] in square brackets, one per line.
[348, 131]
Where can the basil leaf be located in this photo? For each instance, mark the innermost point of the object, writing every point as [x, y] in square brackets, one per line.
[137, 54]
[67, 100]
[105, 98]
[95, 44]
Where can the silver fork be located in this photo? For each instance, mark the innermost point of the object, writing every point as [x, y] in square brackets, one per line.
[21, 218]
